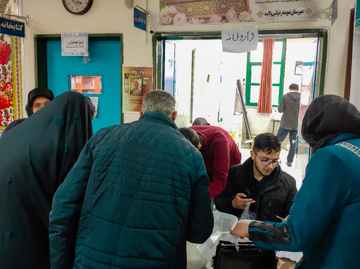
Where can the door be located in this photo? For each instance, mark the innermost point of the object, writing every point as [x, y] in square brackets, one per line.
[103, 63]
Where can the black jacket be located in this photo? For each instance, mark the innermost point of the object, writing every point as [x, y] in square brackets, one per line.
[275, 198]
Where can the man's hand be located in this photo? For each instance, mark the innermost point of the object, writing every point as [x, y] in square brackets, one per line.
[239, 201]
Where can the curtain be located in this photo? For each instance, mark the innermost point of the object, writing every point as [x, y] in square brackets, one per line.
[264, 103]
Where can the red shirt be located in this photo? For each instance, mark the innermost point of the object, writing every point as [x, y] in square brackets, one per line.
[220, 152]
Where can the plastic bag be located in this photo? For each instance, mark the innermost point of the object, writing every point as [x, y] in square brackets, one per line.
[247, 214]
[194, 260]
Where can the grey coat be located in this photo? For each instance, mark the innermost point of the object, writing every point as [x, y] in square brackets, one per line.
[289, 106]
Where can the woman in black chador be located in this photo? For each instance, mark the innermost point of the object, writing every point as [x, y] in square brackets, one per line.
[34, 160]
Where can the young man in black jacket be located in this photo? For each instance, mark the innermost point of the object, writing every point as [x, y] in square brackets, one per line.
[261, 182]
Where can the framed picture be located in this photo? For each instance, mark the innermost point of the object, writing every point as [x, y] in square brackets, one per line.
[133, 72]
[136, 86]
[298, 68]
[146, 81]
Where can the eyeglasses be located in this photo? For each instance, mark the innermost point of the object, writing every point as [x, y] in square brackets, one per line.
[267, 163]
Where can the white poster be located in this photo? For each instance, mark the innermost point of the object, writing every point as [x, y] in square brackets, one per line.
[239, 39]
[74, 44]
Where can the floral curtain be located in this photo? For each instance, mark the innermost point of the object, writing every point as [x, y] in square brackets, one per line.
[10, 70]
[264, 103]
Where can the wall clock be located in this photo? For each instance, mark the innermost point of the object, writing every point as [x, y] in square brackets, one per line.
[77, 7]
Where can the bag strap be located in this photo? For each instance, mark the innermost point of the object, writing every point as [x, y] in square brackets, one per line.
[349, 146]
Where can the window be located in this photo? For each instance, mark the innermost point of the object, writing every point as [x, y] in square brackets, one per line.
[253, 73]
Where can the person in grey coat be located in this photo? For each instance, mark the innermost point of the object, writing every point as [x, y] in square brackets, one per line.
[289, 106]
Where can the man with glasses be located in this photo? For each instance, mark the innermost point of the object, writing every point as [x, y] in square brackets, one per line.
[260, 182]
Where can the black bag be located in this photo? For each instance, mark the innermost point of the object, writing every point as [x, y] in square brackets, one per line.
[248, 257]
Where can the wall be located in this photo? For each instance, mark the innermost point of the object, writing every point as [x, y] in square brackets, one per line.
[111, 16]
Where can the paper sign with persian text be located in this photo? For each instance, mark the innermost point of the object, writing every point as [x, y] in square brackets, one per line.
[175, 12]
[286, 10]
[74, 44]
[139, 19]
[239, 39]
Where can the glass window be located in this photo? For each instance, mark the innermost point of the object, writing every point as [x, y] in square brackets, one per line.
[257, 55]
[253, 74]
[276, 69]
[277, 51]
[275, 96]
[254, 96]
[256, 73]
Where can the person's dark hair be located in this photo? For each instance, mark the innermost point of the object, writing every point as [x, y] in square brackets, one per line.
[159, 101]
[34, 93]
[190, 135]
[200, 121]
[294, 86]
[266, 142]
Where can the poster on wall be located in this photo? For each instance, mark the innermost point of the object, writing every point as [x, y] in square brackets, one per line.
[10, 80]
[137, 82]
[176, 12]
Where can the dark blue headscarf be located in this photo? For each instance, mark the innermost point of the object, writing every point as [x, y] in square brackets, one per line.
[327, 117]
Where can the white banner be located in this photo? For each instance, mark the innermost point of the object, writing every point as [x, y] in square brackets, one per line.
[232, 11]
[286, 10]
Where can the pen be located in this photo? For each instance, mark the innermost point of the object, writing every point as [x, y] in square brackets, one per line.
[283, 219]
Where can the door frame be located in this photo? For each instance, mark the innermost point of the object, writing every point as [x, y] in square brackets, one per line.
[40, 43]
[322, 34]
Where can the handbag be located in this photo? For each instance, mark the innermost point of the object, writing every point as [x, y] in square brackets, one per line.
[243, 255]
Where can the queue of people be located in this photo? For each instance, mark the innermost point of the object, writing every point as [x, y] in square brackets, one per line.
[132, 195]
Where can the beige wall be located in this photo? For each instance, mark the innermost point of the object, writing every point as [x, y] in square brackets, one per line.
[111, 16]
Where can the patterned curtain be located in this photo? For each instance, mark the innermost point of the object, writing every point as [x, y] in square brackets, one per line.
[264, 103]
[10, 69]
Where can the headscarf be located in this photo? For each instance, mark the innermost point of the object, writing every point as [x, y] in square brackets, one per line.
[327, 117]
[35, 158]
[37, 92]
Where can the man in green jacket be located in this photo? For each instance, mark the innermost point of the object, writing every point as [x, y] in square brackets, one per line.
[137, 193]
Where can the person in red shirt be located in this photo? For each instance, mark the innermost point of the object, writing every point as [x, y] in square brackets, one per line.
[219, 151]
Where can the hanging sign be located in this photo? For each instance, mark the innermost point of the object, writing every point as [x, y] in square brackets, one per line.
[11, 27]
[139, 19]
[74, 44]
[239, 39]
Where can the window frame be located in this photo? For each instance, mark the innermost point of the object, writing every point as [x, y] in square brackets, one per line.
[249, 66]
